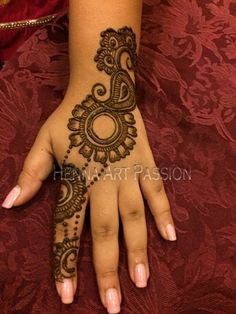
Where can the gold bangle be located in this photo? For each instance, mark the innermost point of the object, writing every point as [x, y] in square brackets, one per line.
[27, 23]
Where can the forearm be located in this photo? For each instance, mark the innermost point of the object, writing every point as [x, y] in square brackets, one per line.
[88, 19]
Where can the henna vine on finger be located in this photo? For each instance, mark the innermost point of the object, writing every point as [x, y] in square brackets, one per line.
[117, 58]
[66, 219]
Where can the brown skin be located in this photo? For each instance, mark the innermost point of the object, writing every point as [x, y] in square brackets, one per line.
[108, 198]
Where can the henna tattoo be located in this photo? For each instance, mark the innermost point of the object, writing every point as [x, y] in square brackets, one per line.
[116, 57]
[65, 257]
[71, 199]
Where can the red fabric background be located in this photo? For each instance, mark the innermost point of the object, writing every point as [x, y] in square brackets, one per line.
[17, 10]
[187, 95]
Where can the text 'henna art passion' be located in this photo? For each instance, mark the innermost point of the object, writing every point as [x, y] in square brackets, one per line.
[117, 57]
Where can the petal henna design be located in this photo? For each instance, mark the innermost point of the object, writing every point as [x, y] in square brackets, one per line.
[72, 197]
[117, 57]
[114, 43]
[65, 257]
[90, 143]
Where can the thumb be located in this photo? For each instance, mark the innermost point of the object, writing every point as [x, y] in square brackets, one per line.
[37, 166]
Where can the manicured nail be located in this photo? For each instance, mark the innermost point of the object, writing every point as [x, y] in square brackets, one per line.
[67, 291]
[112, 301]
[170, 230]
[11, 197]
[140, 276]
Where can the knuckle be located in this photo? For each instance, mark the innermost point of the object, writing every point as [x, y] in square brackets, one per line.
[155, 188]
[138, 250]
[107, 273]
[158, 186]
[104, 231]
[160, 214]
[133, 214]
[28, 174]
[59, 227]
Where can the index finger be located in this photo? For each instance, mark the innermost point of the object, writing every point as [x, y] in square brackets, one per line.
[68, 223]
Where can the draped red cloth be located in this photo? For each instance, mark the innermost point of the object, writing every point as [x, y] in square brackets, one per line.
[187, 95]
[17, 10]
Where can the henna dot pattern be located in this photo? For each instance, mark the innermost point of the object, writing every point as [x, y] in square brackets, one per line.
[71, 199]
[117, 58]
[102, 129]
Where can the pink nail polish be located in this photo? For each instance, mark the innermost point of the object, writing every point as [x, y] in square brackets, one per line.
[112, 301]
[170, 230]
[11, 197]
[140, 276]
[67, 291]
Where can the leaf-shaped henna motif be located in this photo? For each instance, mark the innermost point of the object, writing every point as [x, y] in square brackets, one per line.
[117, 57]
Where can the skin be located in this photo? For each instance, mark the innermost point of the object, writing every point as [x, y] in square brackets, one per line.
[108, 198]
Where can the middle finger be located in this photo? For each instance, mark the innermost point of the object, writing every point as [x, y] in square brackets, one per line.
[105, 225]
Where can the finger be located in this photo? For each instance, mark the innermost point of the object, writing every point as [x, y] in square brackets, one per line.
[154, 192]
[68, 221]
[37, 166]
[135, 231]
[104, 225]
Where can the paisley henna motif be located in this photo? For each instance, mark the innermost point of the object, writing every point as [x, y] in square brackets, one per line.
[117, 57]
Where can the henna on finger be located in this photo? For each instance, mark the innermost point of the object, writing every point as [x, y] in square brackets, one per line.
[71, 200]
[117, 57]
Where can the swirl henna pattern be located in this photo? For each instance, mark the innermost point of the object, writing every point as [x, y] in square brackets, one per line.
[71, 199]
[116, 57]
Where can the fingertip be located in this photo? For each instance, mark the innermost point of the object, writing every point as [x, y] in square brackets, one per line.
[11, 197]
[170, 231]
[166, 229]
[67, 291]
[140, 275]
[112, 300]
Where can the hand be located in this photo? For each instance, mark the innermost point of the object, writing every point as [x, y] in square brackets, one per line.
[108, 161]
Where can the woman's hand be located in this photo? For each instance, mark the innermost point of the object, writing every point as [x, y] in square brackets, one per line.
[105, 158]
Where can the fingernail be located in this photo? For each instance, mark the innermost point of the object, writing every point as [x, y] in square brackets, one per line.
[67, 291]
[170, 230]
[11, 197]
[112, 301]
[140, 276]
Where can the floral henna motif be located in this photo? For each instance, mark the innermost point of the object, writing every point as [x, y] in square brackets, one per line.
[114, 147]
[65, 256]
[117, 57]
[71, 199]
[73, 189]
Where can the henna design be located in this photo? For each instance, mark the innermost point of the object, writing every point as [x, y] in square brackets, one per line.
[117, 57]
[65, 255]
[71, 199]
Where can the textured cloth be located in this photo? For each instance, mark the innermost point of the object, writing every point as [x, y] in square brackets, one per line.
[17, 10]
[186, 90]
